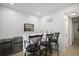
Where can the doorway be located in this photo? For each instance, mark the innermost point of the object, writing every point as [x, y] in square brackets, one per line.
[73, 37]
[74, 31]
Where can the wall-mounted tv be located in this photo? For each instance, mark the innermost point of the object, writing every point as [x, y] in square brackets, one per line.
[28, 27]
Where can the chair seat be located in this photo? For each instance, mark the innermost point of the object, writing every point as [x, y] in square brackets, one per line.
[32, 48]
[55, 41]
[44, 43]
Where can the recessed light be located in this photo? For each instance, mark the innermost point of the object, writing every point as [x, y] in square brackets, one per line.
[74, 14]
[38, 13]
[12, 3]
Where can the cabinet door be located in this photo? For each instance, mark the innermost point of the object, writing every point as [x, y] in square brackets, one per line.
[18, 47]
[6, 51]
[6, 48]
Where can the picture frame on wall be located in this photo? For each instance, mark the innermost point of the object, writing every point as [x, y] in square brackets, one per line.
[28, 27]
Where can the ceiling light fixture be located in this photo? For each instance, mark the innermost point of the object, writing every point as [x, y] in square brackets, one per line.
[12, 3]
[74, 13]
[38, 13]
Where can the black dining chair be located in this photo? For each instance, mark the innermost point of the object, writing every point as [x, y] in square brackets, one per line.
[47, 44]
[51, 43]
[54, 40]
[34, 45]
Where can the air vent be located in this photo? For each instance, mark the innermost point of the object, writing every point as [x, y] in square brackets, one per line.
[50, 20]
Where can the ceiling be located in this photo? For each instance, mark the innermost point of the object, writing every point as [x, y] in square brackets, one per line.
[73, 13]
[34, 8]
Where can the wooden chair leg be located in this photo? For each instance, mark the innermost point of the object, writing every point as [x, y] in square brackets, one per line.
[46, 52]
[25, 53]
[58, 52]
[57, 47]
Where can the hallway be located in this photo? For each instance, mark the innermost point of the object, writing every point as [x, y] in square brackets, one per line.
[73, 50]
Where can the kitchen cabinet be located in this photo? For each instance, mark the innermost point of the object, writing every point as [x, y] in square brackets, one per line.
[11, 46]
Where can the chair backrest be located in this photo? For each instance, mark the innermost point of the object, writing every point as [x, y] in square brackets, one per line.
[35, 39]
[49, 37]
[53, 36]
[56, 36]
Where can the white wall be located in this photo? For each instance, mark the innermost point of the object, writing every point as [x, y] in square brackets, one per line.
[12, 22]
[70, 27]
